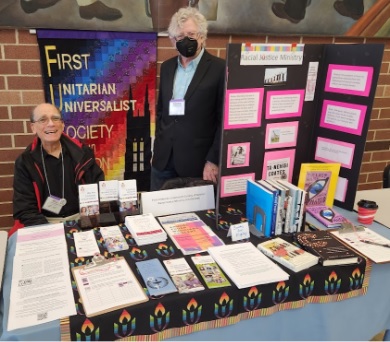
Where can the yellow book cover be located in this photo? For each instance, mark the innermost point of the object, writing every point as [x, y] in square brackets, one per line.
[319, 180]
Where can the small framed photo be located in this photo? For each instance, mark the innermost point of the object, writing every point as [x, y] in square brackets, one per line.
[238, 155]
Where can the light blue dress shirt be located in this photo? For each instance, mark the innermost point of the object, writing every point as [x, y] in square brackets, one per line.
[184, 76]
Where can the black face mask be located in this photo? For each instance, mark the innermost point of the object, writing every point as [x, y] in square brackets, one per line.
[187, 47]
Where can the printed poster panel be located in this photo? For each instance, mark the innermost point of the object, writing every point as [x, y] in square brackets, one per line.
[104, 84]
[349, 79]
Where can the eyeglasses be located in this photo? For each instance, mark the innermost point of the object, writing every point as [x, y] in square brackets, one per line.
[190, 35]
[45, 120]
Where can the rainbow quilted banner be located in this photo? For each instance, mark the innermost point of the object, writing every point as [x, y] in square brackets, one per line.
[104, 83]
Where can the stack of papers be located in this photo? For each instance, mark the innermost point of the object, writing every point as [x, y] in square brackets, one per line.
[145, 229]
[246, 266]
[41, 288]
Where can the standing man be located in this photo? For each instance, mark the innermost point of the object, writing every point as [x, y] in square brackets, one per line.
[48, 172]
[190, 103]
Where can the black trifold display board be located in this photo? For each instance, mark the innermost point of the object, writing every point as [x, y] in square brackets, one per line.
[312, 103]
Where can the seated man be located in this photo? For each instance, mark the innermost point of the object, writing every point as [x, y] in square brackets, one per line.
[48, 172]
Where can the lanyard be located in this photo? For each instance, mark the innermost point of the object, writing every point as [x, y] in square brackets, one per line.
[63, 200]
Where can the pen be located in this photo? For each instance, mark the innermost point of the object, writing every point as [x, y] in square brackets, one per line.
[376, 243]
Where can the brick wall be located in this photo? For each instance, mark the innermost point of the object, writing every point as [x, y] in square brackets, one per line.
[21, 89]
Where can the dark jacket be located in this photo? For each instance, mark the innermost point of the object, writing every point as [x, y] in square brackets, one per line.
[29, 180]
[193, 138]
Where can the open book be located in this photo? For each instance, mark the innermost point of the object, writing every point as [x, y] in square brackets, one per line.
[367, 242]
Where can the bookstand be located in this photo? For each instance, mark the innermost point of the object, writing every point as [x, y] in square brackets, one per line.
[257, 211]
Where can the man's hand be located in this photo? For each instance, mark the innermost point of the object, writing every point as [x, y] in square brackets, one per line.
[210, 172]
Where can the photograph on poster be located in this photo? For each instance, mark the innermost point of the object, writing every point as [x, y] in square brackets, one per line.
[284, 104]
[238, 154]
[342, 116]
[348, 79]
[283, 134]
[243, 108]
[275, 76]
[235, 185]
[334, 151]
[279, 165]
[311, 81]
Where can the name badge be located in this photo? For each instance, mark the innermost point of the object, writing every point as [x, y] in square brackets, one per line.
[176, 107]
[53, 204]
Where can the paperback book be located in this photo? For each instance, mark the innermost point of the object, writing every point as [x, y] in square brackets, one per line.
[319, 180]
[287, 254]
[261, 208]
[328, 248]
[295, 219]
[276, 219]
[282, 205]
[329, 217]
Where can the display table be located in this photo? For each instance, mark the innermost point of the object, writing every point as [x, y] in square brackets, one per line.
[266, 312]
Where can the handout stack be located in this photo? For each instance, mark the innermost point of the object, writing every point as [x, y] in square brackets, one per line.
[189, 233]
[145, 229]
[246, 266]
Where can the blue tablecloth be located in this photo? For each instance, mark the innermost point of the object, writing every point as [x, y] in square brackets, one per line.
[357, 318]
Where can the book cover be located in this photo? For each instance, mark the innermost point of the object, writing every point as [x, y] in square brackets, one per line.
[329, 217]
[330, 250]
[287, 254]
[296, 206]
[282, 206]
[319, 180]
[183, 276]
[155, 277]
[260, 206]
[276, 219]
[210, 271]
